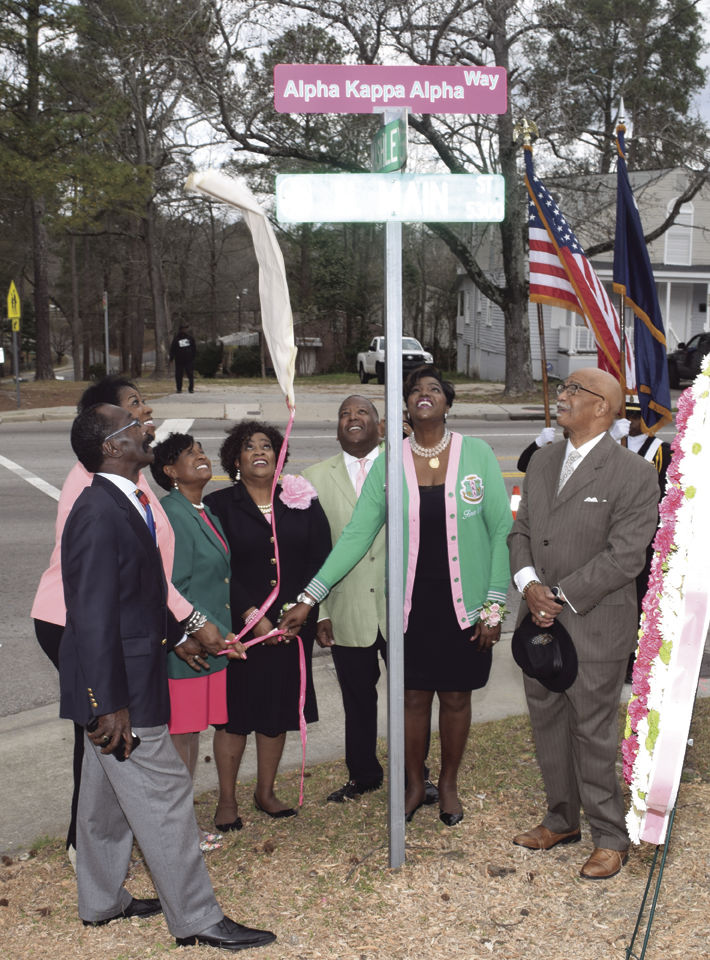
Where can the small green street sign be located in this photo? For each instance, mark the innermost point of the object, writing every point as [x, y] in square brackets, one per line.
[389, 148]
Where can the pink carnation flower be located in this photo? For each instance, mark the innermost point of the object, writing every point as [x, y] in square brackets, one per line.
[296, 492]
[664, 539]
[637, 711]
[629, 750]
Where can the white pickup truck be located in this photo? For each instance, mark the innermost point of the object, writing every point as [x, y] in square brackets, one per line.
[371, 363]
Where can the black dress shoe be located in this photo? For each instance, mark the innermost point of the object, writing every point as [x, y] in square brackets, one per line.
[351, 790]
[136, 908]
[450, 819]
[277, 814]
[228, 935]
[226, 827]
[431, 793]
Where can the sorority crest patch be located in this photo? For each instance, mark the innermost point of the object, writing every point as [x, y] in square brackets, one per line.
[472, 488]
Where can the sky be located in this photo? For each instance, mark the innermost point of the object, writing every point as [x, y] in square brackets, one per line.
[703, 100]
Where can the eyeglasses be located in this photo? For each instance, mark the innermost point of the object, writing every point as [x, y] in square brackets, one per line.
[133, 423]
[572, 388]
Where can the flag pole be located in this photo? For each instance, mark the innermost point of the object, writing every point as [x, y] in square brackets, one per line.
[528, 131]
[543, 363]
[622, 311]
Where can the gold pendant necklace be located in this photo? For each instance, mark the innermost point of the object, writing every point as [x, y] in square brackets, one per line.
[434, 463]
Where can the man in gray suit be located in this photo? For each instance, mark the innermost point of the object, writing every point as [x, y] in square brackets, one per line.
[114, 682]
[587, 513]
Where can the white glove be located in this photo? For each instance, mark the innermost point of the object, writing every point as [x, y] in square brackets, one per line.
[619, 429]
[547, 436]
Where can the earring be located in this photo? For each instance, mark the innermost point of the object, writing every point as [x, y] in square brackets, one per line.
[238, 476]
[175, 484]
[446, 417]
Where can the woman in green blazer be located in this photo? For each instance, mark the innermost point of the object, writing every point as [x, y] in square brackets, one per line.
[201, 572]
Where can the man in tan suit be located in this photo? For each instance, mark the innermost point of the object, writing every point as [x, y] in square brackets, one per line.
[588, 511]
[353, 617]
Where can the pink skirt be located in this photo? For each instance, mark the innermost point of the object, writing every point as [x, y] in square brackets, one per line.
[196, 702]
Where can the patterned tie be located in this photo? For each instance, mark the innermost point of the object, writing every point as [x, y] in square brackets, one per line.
[568, 468]
[149, 519]
[361, 475]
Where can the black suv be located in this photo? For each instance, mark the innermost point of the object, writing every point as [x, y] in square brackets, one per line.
[684, 363]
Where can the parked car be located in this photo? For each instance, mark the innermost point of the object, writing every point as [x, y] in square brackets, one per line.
[684, 363]
[371, 362]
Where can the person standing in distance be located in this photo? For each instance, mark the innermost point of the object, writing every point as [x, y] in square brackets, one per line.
[183, 351]
[114, 682]
[587, 513]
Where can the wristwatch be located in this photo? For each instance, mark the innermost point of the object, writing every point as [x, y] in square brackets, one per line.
[304, 598]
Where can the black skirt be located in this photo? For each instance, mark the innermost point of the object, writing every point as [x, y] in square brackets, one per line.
[438, 655]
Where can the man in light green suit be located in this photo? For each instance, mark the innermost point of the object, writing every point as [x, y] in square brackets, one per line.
[353, 618]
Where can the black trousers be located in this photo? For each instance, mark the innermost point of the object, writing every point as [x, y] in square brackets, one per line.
[183, 367]
[358, 670]
[49, 636]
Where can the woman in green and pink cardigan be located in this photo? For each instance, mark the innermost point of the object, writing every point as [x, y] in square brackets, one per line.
[457, 519]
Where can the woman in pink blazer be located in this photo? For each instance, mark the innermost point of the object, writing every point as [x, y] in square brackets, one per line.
[48, 609]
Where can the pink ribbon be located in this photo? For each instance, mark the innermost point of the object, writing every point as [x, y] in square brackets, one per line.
[268, 602]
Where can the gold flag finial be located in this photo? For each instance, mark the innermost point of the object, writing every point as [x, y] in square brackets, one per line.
[527, 130]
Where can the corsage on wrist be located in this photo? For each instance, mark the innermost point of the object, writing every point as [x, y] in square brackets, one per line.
[493, 613]
[194, 622]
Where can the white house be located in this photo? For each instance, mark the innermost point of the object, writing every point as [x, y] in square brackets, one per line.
[680, 259]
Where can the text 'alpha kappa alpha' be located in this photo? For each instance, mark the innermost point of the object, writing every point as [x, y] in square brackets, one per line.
[340, 88]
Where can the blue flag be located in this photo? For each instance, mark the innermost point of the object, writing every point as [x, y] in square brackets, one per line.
[633, 277]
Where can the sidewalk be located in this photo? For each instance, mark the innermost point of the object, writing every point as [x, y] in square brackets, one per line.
[36, 749]
[216, 401]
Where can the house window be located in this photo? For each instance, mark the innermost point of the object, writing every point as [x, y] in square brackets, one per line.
[679, 238]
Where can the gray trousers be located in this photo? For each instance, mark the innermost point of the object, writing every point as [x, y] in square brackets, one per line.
[576, 738]
[149, 797]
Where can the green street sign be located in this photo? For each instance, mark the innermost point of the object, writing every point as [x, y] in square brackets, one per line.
[389, 148]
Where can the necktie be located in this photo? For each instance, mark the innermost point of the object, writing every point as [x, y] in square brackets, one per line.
[568, 468]
[149, 519]
[361, 475]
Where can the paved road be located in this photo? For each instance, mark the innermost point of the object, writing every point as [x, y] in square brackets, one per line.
[35, 457]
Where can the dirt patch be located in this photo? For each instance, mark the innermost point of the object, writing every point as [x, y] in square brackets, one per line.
[322, 882]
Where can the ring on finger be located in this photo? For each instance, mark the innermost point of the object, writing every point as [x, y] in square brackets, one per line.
[541, 613]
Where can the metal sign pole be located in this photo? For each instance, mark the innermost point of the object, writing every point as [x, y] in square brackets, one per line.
[108, 359]
[395, 529]
[16, 363]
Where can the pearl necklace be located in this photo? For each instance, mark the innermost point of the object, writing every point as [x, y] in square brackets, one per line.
[198, 506]
[264, 507]
[431, 452]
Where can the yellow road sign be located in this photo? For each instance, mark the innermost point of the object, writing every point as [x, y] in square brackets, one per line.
[14, 309]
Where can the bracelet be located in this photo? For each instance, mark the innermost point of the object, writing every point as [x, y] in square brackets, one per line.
[529, 584]
[304, 598]
[254, 615]
[493, 613]
[195, 621]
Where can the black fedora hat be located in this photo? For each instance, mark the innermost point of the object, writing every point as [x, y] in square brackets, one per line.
[546, 654]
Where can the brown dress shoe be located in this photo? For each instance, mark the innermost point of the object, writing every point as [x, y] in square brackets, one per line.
[540, 838]
[604, 863]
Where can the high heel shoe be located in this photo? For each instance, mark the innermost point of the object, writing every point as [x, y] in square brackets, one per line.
[408, 817]
[226, 827]
[277, 814]
[450, 819]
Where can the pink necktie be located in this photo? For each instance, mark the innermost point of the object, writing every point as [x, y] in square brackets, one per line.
[361, 476]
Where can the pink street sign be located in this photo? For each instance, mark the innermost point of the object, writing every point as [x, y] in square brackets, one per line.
[341, 88]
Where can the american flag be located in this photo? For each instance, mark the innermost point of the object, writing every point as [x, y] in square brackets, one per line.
[561, 275]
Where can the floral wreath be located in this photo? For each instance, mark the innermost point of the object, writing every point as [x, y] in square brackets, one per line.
[663, 618]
